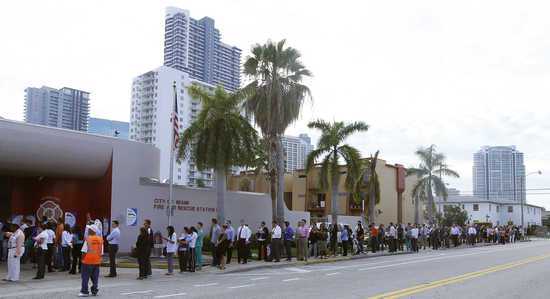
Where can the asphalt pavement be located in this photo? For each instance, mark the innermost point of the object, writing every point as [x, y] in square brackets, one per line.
[519, 270]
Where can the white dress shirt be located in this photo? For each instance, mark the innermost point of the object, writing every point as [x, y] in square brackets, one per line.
[51, 236]
[414, 233]
[172, 245]
[244, 233]
[193, 241]
[393, 232]
[66, 239]
[276, 232]
[471, 231]
[455, 231]
[42, 240]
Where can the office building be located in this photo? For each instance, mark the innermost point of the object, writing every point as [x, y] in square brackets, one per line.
[66, 108]
[499, 174]
[108, 127]
[296, 151]
[195, 47]
[151, 109]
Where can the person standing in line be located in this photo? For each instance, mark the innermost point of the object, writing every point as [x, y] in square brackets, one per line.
[314, 241]
[232, 241]
[455, 232]
[276, 235]
[242, 240]
[16, 249]
[360, 235]
[261, 236]
[66, 247]
[183, 250]
[345, 239]
[222, 244]
[192, 244]
[171, 248]
[414, 238]
[150, 235]
[323, 237]
[392, 237]
[288, 238]
[198, 246]
[373, 239]
[381, 237]
[59, 263]
[50, 241]
[472, 235]
[77, 242]
[301, 241]
[41, 243]
[143, 247]
[215, 232]
[113, 239]
[92, 250]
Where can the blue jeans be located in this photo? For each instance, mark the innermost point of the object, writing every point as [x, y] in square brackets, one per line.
[89, 271]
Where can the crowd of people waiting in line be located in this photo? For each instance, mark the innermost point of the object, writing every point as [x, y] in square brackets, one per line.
[55, 245]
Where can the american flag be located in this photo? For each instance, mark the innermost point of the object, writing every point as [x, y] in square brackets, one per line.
[175, 120]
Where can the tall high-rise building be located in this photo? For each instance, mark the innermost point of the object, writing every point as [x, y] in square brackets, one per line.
[195, 47]
[296, 151]
[66, 108]
[108, 127]
[151, 109]
[499, 173]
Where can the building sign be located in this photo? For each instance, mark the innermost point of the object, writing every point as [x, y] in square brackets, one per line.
[70, 219]
[131, 217]
[181, 205]
[50, 209]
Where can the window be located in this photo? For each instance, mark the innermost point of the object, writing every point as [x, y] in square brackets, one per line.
[476, 207]
[498, 208]
[510, 209]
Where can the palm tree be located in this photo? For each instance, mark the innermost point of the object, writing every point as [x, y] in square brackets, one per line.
[430, 174]
[419, 195]
[219, 138]
[275, 97]
[262, 166]
[330, 149]
[368, 181]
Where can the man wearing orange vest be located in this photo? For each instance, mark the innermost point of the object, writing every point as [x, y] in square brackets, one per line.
[92, 250]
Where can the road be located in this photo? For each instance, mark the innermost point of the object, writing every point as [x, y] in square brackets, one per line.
[520, 270]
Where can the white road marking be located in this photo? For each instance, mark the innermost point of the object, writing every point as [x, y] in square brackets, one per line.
[259, 278]
[298, 270]
[171, 295]
[331, 274]
[291, 279]
[242, 286]
[136, 292]
[206, 285]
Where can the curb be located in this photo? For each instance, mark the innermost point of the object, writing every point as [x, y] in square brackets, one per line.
[271, 265]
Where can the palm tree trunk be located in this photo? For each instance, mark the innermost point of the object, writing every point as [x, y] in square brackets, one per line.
[430, 207]
[280, 181]
[372, 205]
[416, 209]
[273, 193]
[334, 198]
[221, 189]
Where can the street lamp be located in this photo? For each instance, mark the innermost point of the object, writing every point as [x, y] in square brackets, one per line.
[523, 197]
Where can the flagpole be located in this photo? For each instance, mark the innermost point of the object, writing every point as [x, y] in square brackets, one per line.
[169, 210]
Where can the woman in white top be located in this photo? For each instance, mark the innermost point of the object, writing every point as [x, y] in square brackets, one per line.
[171, 248]
[192, 241]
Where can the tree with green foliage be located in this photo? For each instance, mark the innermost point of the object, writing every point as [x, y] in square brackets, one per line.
[430, 174]
[367, 186]
[220, 137]
[275, 97]
[453, 215]
[331, 149]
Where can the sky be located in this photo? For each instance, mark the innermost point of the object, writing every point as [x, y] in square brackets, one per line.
[457, 74]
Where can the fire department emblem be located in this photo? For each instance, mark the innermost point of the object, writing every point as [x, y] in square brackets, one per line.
[49, 208]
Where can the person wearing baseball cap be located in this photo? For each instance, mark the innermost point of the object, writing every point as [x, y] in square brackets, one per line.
[92, 251]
